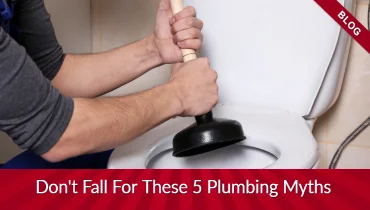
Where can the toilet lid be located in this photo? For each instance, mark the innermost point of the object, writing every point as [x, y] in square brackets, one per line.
[269, 53]
[275, 139]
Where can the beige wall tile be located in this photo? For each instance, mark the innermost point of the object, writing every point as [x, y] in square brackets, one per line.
[363, 1]
[323, 156]
[352, 157]
[320, 130]
[72, 23]
[116, 23]
[123, 22]
[96, 26]
[8, 149]
[353, 105]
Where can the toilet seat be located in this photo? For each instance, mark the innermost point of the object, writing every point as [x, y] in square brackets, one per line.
[282, 134]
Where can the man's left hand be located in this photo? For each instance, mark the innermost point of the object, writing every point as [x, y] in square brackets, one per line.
[175, 32]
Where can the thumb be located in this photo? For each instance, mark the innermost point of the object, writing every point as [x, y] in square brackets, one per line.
[165, 5]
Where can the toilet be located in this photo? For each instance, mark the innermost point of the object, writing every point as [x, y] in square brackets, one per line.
[281, 65]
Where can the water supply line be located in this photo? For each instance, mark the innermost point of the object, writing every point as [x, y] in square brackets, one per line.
[349, 139]
[354, 134]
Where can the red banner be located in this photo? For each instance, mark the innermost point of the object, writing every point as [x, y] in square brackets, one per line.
[347, 21]
[184, 189]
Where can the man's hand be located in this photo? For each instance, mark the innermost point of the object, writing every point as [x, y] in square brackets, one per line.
[81, 76]
[175, 32]
[195, 85]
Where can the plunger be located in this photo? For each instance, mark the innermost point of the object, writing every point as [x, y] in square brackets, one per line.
[208, 133]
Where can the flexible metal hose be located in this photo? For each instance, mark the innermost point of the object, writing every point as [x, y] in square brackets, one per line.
[349, 139]
[357, 132]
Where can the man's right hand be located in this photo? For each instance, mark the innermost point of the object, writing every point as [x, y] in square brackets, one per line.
[195, 84]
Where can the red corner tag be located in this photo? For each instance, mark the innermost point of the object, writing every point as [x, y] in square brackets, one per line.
[347, 21]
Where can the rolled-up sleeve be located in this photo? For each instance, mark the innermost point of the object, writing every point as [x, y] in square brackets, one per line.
[32, 112]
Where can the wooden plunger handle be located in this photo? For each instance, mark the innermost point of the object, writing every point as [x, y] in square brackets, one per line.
[188, 54]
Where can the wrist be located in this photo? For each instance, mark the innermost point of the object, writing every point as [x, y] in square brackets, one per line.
[152, 49]
[173, 99]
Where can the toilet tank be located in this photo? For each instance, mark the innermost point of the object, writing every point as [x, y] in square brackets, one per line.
[275, 54]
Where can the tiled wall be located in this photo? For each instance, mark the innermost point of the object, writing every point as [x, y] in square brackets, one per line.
[351, 109]
[71, 19]
[72, 23]
[118, 22]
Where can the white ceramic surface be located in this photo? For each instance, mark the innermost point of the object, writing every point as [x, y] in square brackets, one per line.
[284, 136]
[268, 53]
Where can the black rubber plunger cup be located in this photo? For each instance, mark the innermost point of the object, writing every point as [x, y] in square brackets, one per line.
[208, 133]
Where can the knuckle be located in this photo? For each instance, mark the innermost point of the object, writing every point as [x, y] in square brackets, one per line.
[191, 10]
[215, 74]
[201, 23]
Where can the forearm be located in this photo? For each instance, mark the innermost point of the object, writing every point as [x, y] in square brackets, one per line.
[104, 123]
[89, 76]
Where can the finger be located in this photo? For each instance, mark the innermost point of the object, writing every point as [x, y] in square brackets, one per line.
[192, 33]
[186, 23]
[215, 75]
[187, 12]
[195, 44]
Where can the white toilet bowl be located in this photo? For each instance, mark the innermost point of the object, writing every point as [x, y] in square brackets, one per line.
[280, 69]
[275, 139]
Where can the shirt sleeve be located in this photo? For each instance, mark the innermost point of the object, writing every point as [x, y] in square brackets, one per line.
[32, 112]
[37, 35]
